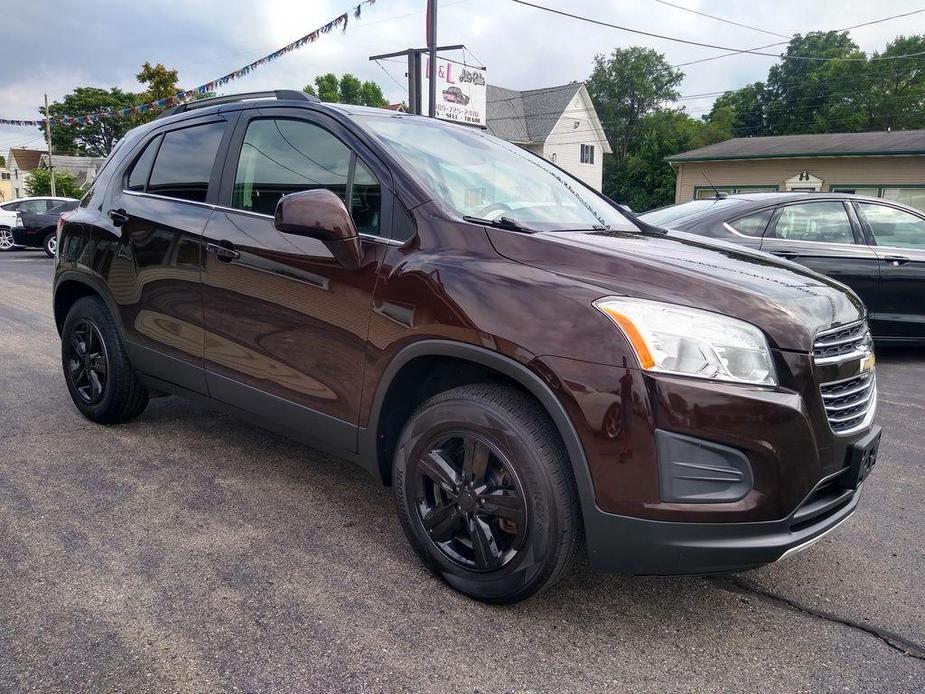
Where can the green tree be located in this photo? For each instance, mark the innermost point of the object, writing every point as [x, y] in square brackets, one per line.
[643, 179]
[38, 182]
[346, 90]
[161, 82]
[741, 112]
[93, 139]
[627, 85]
[799, 92]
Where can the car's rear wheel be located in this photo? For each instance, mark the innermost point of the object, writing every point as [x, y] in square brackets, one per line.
[50, 244]
[485, 494]
[99, 377]
[6, 239]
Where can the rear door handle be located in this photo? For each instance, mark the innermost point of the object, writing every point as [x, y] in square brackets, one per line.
[223, 250]
[896, 260]
[786, 253]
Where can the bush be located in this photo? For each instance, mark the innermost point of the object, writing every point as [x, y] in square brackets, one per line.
[38, 182]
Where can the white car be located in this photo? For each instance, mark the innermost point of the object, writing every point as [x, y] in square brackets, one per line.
[9, 210]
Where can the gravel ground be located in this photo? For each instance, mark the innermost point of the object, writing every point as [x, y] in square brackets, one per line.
[189, 550]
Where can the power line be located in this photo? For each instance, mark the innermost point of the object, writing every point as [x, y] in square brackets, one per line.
[782, 43]
[389, 75]
[706, 45]
[720, 19]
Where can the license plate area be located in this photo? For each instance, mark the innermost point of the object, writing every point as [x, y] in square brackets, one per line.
[862, 456]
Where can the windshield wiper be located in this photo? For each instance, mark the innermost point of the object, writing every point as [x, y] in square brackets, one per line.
[500, 223]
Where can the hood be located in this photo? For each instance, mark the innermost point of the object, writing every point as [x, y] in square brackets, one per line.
[789, 302]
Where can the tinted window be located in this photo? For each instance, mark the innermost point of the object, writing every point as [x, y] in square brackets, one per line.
[285, 156]
[753, 224]
[138, 176]
[892, 227]
[184, 162]
[825, 222]
[32, 206]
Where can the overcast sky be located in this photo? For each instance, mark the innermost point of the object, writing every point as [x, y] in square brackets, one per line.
[54, 46]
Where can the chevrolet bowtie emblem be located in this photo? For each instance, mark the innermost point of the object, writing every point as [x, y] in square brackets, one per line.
[867, 363]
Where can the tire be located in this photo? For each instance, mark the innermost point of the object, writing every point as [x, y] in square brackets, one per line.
[50, 244]
[115, 395]
[483, 467]
[6, 239]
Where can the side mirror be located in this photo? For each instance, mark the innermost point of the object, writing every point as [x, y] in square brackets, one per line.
[320, 214]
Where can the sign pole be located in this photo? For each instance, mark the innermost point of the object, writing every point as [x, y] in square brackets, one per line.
[432, 52]
[51, 168]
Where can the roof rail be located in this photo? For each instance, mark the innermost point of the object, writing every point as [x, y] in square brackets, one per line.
[280, 94]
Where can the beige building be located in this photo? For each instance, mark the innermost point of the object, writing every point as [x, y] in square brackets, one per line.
[882, 164]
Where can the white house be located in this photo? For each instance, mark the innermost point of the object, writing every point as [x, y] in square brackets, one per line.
[557, 123]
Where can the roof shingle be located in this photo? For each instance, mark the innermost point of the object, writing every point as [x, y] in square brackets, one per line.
[825, 145]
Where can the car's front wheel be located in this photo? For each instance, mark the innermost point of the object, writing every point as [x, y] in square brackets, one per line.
[99, 377]
[6, 239]
[50, 244]
[485, 493]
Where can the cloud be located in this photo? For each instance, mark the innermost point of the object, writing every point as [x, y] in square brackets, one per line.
[104, 42]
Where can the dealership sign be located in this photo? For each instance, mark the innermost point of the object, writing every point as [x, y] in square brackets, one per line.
[460, 91]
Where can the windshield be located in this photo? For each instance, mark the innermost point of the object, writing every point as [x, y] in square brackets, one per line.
[478, 175]
[676, 214]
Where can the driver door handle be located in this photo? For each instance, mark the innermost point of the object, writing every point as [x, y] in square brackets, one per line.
[786, 253]
[895, 260]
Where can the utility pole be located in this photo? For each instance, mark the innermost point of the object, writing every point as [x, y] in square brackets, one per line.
[51, 168]
[432, 54]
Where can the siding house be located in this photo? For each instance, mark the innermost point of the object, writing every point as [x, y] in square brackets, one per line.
[20, 162]
[889, 165]
[557, 123]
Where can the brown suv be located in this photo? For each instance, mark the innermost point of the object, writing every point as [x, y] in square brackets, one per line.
[523, 361]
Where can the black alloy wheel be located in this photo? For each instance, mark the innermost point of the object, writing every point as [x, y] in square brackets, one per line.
[88, 362]
[485, 494]
[470, 501]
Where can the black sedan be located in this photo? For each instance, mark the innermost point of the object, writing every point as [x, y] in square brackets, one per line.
[38, 229]
[875, 246]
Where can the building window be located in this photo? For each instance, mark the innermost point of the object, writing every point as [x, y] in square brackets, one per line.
[706, 192]
[587, 154]
[913, 196]
[5, 176]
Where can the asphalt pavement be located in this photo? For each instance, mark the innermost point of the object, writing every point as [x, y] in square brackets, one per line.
[189, 550]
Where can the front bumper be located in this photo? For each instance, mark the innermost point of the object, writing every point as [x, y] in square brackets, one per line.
[642, 546]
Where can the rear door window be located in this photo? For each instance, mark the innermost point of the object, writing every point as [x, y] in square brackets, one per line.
[183, 165]
[893, 227]
[821, 222]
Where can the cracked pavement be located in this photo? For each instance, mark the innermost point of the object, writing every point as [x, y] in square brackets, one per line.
[189, 550]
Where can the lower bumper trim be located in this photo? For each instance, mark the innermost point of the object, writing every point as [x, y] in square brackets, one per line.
[650, 547]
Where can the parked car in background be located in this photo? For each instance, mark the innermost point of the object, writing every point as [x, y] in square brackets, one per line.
[38, 229]
[8, 211]
[875, 246]
[524, 374]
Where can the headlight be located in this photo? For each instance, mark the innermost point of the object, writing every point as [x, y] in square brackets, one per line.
[688, 341]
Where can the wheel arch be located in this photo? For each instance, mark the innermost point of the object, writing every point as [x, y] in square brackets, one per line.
[373, 442]
[71, 286]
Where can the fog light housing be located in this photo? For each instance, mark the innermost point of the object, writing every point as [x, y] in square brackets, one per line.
[693, 471]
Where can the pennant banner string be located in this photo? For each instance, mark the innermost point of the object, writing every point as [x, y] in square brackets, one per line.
[336, 23]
